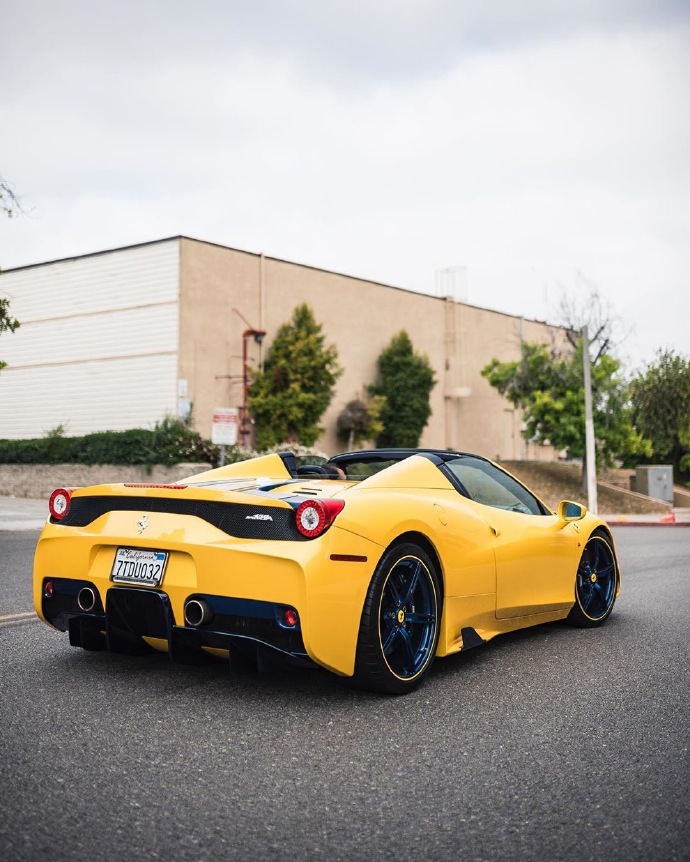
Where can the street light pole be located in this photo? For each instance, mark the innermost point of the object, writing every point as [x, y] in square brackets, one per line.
[590, 447]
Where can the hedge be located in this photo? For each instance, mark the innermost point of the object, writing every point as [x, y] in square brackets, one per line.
[170, 442]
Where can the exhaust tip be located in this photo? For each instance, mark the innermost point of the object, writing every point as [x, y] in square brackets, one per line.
[197, 612]
[86, 599]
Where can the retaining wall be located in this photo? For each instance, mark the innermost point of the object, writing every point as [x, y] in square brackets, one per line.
[38, 481]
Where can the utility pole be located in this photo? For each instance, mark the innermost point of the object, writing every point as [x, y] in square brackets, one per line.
[245, 420]
[590, 448]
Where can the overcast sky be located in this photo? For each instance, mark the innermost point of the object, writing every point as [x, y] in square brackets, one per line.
[544, 146]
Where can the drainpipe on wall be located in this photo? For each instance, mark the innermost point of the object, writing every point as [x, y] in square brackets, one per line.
[245, 419]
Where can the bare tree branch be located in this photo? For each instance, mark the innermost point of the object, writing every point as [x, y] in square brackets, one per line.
[585, 306]
[9, 202]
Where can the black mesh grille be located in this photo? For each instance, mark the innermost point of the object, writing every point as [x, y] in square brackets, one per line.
[235, 519]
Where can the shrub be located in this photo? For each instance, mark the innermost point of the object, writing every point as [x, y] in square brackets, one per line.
[170, 442]
[405, 380]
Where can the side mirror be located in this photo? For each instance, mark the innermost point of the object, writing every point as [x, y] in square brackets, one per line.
[569, 511]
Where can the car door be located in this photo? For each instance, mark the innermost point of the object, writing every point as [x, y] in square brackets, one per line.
[536, 554]
[536, 561]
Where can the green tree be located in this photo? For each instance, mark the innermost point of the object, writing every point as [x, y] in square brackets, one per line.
[549, 389]
[405, 380]
[289, 397]
[360, 421]
[7, 323]
[661, 407]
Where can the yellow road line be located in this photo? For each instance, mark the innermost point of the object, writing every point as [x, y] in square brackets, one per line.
[18, 616]
[16, 619]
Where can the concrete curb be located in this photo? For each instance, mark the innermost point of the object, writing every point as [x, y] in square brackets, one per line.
[648, 523]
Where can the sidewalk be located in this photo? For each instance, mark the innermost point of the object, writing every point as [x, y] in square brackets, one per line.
[21, 513]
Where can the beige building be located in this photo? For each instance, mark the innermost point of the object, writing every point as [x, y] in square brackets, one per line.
[121, 338]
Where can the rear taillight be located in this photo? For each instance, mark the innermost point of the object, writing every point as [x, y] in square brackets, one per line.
[316, 516]
[59, 503]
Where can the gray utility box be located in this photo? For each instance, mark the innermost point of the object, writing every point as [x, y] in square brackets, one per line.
[654, 480]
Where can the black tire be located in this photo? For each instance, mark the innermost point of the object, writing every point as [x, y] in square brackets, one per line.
[401, 620]
[596, 583]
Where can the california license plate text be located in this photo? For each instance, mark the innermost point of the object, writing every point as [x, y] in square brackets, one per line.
[134, 566]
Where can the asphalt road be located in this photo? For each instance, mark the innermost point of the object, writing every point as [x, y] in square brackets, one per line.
[550, 744]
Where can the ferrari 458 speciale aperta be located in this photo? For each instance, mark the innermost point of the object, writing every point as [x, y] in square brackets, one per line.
[369, 565]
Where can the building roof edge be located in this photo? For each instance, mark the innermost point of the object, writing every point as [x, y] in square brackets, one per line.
[179, 237]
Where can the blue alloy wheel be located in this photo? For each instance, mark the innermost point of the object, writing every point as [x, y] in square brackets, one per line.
[407, 617]
[399, 630]
[595, 583]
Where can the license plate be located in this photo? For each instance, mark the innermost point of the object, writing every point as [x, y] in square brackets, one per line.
[134, 566]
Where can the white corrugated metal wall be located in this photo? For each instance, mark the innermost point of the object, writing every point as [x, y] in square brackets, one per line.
[98, 343]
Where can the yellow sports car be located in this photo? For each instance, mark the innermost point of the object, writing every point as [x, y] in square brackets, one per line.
[369, 565]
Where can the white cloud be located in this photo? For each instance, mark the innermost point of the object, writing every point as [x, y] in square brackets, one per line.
[525, 157]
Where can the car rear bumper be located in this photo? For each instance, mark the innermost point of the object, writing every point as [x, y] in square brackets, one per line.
[132, 618]
[247, 584]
